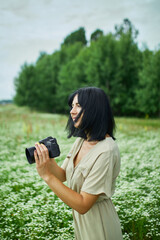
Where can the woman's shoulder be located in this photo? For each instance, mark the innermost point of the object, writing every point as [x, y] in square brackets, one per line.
[108, 151]
[108, 145]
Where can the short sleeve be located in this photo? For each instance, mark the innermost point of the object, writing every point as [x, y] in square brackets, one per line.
[99, 179]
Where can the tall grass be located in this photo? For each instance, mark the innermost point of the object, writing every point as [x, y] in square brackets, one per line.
[30, 210]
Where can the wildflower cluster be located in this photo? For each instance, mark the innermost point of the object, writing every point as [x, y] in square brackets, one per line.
[30, 210]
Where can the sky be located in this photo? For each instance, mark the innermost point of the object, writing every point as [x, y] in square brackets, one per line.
[28, 27]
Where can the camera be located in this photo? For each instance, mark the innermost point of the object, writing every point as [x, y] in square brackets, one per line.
[50, 143]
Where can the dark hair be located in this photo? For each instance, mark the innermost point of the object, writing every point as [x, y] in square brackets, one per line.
[97, 119]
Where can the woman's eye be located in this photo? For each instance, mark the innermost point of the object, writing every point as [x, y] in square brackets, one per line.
[77, 105]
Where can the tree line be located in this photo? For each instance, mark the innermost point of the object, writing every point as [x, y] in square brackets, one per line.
[130, 76]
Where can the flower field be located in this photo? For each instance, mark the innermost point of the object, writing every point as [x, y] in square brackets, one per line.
[28, 208]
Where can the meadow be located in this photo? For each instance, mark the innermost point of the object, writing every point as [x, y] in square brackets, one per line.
[28, 208]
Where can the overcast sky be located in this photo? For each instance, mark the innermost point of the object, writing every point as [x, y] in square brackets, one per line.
[28, 27]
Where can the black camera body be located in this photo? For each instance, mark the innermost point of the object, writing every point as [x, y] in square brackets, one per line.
[50, 143]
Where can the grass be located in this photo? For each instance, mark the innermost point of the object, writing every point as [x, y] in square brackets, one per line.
[29, 209]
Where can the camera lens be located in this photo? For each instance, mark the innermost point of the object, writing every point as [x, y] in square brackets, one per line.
[30, 154]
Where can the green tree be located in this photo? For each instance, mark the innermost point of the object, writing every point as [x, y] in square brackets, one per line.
[24, 84]
[71, 77]
[76, 36]
[113, 62]
[127, 78]
[68, 53]
[37, 86]
[126, 28]
[46, 81]
[148, 93]
[96, 35]
[41, 55]
[102, 63]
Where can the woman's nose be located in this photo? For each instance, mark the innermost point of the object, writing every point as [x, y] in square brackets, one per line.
[73, 110]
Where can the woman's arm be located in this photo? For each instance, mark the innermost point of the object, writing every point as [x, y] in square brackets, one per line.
[81, 202]
[57, 171]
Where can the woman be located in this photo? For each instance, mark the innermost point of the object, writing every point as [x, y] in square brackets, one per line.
[90, 168]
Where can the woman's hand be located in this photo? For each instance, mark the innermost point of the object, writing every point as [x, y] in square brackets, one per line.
[43, 161]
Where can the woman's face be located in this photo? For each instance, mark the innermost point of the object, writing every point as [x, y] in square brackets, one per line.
[76, 108]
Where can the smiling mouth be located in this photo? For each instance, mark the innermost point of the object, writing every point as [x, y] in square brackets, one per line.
[74, 118]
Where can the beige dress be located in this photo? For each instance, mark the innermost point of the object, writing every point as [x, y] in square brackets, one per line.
[95, 174]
